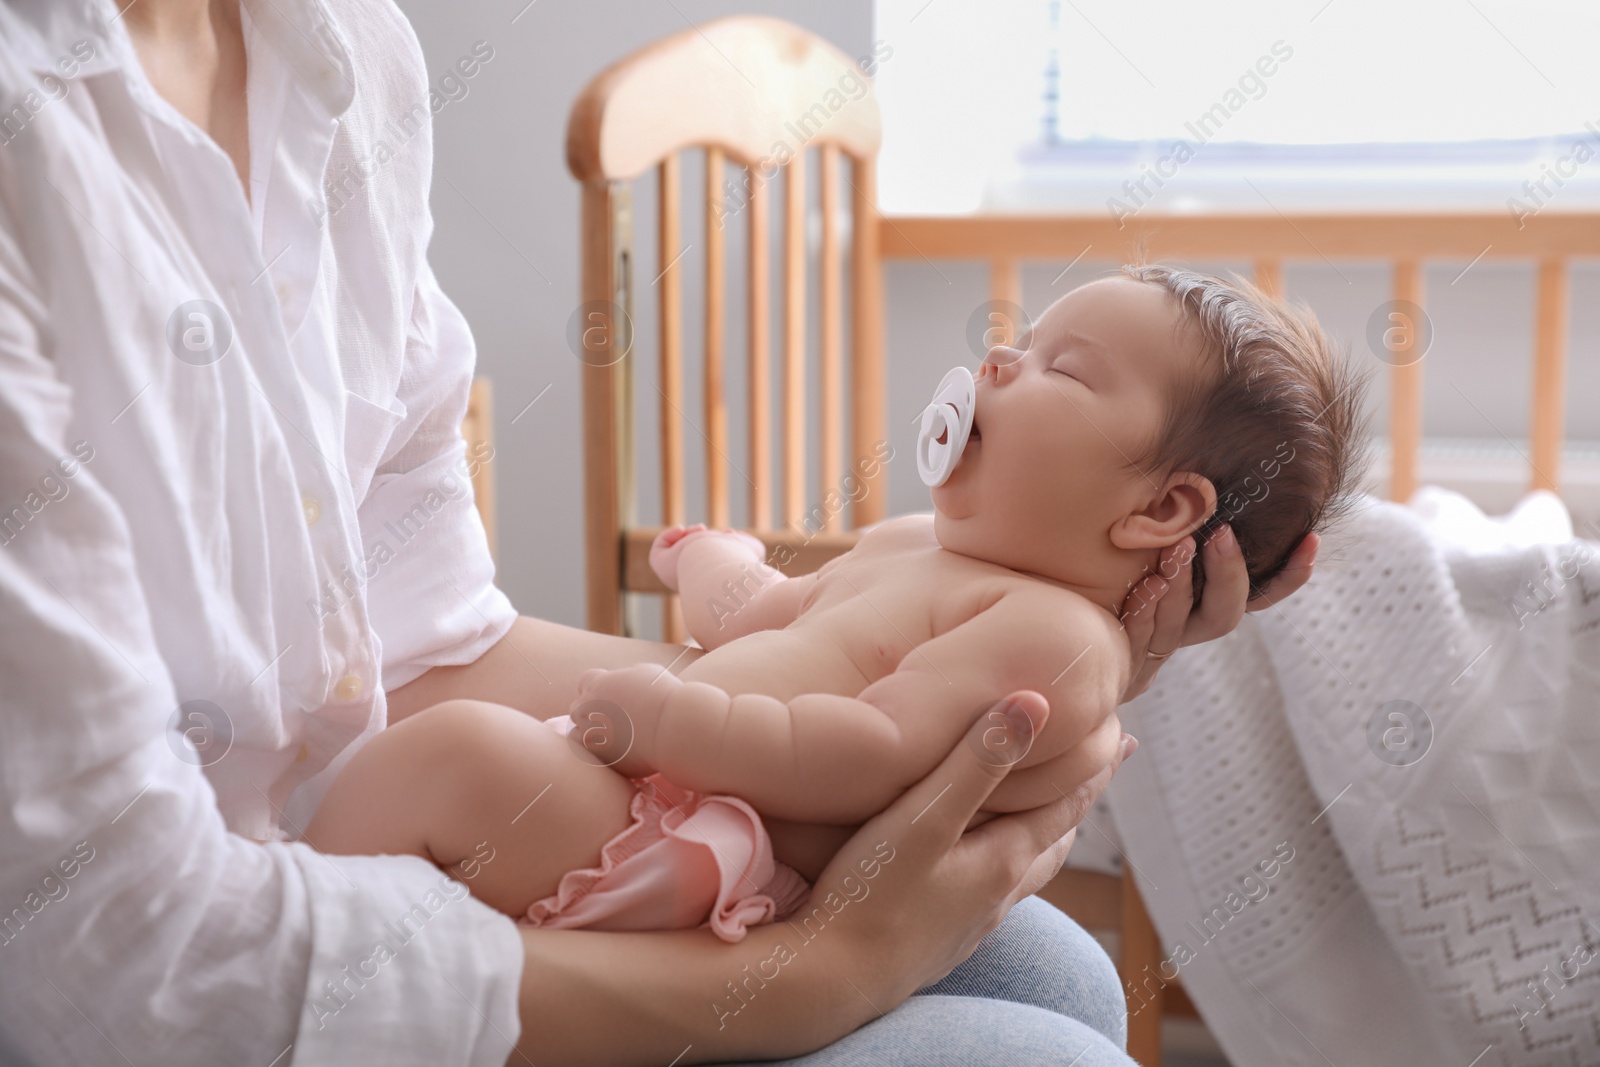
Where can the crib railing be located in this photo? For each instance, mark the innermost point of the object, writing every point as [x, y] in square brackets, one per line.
[1406, 241]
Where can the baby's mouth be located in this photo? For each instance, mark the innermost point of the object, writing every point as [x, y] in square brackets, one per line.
[973, 435]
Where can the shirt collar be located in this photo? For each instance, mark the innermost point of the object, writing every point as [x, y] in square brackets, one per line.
[300, 31]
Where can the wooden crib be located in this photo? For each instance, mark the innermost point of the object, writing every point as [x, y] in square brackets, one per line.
[730, 90]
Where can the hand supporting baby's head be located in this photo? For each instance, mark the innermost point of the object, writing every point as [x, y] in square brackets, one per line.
[1276, 426]
[1141, 409]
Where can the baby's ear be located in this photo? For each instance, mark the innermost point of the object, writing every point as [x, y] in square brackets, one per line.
[1181, 506]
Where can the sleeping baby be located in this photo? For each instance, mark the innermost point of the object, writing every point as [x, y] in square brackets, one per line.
[1139, 410]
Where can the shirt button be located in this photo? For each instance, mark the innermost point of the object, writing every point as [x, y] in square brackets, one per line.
[312, 508]
[305, 750]
[348, 688]
[283, 293]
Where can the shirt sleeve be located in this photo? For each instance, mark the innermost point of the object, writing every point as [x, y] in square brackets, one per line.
[134, 928]
[435, 603]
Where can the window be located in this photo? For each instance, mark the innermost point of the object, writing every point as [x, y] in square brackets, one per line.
[1030, 104]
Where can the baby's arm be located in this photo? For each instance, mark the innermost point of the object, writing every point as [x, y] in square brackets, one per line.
[833, 759]
[724, 583]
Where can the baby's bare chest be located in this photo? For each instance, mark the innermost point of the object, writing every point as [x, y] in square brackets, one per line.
[866, 613]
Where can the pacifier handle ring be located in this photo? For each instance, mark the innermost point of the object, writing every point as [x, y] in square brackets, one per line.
[948, 416]
[941, 415]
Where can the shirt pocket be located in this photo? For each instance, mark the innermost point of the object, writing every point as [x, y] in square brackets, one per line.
[368, 428]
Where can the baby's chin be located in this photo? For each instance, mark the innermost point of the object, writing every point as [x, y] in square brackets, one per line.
[962, 533]
[957, 498]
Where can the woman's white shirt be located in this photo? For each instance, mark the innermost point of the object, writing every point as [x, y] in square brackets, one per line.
[235, 506]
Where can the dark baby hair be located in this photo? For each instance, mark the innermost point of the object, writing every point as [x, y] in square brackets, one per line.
[1276, 423]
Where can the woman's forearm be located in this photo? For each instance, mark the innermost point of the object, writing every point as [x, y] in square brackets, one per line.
[682, 997]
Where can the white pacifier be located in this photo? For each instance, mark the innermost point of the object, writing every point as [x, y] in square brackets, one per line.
[946, 423]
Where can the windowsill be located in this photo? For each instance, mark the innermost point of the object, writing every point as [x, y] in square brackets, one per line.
[1171, 177]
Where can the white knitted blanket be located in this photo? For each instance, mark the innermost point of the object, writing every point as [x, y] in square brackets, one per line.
[1418, 731]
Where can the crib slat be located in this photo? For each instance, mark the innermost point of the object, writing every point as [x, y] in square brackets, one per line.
[1405, 387]
[1269, 277]
[1550, 374]
[832, 389]
[1005, 286]
[608, 403]
[716, 404]
[794, 340]
[669, 293]
[868, 430]
[1140, 958]
[760, 370]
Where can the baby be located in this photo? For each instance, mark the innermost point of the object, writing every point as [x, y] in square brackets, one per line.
[1138, 411]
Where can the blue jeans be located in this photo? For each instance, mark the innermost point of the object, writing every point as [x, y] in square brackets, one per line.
[1038, 990]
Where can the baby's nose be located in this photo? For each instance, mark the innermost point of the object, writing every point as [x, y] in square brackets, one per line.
[1001, 364]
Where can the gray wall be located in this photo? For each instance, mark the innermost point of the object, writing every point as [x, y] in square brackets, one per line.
[506, 245]
[506, 249]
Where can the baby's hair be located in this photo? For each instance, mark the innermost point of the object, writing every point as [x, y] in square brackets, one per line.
[1276, 424]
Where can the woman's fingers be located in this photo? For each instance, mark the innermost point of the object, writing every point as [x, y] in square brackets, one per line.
[1155, 611]
[1174, 607]
[934, 813]
[1045, 832]
[1157, 614]
[1139, 615]
[1227, 585]
[1294, 575]
[1047, 866]
[947, 887]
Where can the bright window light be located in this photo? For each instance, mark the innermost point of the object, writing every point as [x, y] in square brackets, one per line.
[975, 89]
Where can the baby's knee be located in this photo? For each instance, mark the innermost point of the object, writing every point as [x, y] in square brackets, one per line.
[452, 743]
[457, 726]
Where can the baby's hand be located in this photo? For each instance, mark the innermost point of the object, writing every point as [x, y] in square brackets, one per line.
[670, 543]
[627, 705]
[666, 549]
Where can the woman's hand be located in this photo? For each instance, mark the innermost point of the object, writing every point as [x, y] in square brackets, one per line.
[938, 888]
[1157, 613]
[906, 899]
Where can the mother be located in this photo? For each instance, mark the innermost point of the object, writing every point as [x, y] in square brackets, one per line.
[221, 391]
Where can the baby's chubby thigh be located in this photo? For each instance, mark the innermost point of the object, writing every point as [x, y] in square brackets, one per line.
[497, 798]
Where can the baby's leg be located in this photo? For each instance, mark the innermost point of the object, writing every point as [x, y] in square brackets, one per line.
[498, 799]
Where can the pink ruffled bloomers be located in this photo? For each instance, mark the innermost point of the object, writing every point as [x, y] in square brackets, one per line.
[685, 860]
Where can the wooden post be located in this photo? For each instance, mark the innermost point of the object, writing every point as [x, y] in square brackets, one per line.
[1005, 285]
[1269, 277]
[869, 403]
[1405, 386]
[716, 404]
[1549, 374]
[607, 398]
[669, 298]
[1138, 967]
[794, 340]
[830, 297]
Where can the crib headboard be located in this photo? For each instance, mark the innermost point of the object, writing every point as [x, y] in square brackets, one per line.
[1406, 241]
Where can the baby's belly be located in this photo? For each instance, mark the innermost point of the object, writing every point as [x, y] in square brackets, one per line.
[782, 664]
[785, 664]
